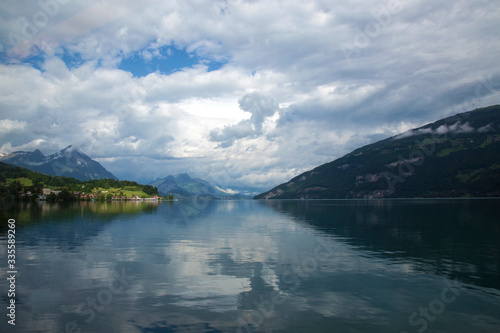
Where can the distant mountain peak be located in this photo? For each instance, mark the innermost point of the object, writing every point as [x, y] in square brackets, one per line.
[183, 179]
[183, 185]
[37, 155]
[70, 162]
[71, 149]
[184, 175]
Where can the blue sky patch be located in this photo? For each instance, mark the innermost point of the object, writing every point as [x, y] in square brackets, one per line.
[169, 61]
[37, 59]
[72, 60]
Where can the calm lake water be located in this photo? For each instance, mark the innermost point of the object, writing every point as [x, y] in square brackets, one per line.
[255, 266]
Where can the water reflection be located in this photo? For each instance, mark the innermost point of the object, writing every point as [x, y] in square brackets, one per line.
[247, 266]
[26, 213]
[455, 238]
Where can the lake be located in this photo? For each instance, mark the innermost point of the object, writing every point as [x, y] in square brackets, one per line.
[254, 266]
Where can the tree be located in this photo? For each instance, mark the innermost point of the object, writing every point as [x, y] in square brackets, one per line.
[150, 190]
[66, 195]
[38, 187]
[52, 197]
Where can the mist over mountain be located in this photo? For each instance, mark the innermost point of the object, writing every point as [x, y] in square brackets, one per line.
[69, 162]
[184, 186]
[457, 156]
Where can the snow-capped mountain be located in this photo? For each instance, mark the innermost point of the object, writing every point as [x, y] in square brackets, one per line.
[69, 162]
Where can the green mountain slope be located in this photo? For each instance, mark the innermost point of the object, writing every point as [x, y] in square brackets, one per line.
[453, 157]
[15, 181]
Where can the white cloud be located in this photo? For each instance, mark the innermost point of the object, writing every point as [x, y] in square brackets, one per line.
[286, 99]
[457, 127]
[7, 125]
[260, 107]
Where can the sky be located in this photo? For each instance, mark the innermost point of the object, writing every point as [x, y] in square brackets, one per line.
[244, 94]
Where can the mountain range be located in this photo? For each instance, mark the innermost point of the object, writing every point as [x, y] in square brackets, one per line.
[72, 162]
[457, 156]
[182, 185]
[69, 162]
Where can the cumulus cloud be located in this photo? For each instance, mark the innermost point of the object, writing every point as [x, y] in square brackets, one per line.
[8, 125]
[457, 127]
[260, 107]
[228, 134]
[297, 83]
